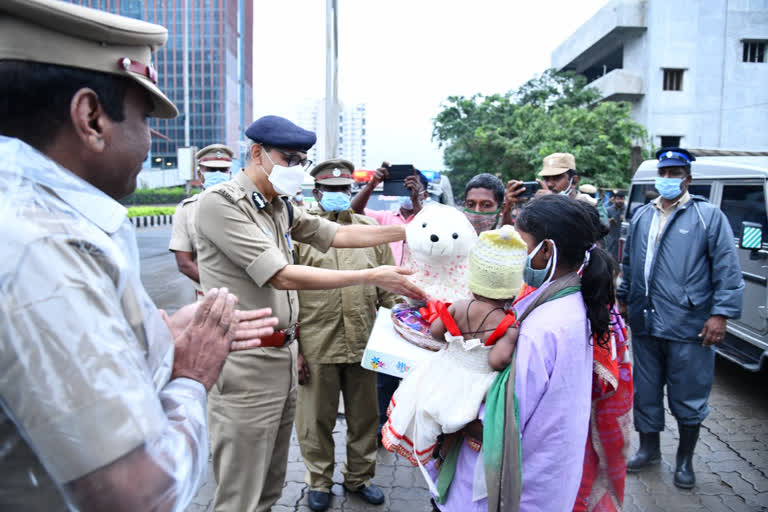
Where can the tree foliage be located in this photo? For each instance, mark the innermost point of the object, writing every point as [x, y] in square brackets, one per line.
[510, 134]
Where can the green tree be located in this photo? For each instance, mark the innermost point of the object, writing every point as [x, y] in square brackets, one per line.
[510, 134]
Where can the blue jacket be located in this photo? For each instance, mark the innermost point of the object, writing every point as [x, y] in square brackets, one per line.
[694, 274]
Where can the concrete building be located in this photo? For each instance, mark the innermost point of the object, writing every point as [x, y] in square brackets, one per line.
[695, 71]
[352, 131]
[220, 69]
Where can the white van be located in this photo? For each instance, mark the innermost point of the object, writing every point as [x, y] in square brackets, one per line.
[739, 186]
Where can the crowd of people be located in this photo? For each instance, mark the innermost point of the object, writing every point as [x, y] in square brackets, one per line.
[107, 402]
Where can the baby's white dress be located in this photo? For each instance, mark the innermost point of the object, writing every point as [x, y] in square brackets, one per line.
[441, 395]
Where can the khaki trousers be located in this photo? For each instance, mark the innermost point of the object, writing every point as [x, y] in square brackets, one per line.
[316, 416]
[250, 413]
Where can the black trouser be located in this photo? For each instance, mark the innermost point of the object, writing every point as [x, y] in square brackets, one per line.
[687, 369]
[386, 385]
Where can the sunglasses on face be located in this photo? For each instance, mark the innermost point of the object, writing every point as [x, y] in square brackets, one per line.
[294, 158]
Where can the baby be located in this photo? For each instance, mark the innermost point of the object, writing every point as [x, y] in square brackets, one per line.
[444, 393]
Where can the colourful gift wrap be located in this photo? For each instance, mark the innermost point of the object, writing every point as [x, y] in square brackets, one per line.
[387, 352]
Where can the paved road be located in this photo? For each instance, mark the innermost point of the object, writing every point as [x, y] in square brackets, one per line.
[165, 284]
[731, 458]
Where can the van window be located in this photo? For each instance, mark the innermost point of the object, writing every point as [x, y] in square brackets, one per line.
[700, 189]
[641, 194]
[744, 203]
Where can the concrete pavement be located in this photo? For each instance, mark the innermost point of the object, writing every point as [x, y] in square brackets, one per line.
[731, 458]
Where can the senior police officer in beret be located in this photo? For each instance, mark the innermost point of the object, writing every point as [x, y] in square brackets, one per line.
[102, 396]
[681, 281]
[213, 167]
[335, 325]
[246, 231]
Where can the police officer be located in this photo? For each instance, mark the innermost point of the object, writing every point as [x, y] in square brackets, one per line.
[681, 281]
[335, 327]
[246, 229]
[102, 396]
[557, 176]
[213, 167]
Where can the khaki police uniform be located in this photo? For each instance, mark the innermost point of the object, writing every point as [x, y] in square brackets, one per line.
[335, 328]
[184, 231]
[215, 157]
[243, 242]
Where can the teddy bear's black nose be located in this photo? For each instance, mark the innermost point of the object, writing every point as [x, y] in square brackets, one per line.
[434, 238]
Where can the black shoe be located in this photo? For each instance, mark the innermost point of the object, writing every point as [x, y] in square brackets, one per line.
[647, 454]
[371, 494]
[319, 500]
[685, 478]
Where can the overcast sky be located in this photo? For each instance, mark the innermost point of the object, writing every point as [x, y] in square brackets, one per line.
[404, 57]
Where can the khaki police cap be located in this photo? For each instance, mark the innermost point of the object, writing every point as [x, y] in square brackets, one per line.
[334, 172]
[64, 34]
[588, 189]
[215, 155]
[558, 163]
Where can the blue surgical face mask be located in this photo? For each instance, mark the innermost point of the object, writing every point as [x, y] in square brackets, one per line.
[538, 277]
[669, 188]
[214, 178]
[335, 201]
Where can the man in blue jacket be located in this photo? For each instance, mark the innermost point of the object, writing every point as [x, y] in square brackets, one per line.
[682, 280]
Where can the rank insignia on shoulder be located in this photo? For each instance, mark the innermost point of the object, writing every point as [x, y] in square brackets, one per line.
[258, 200]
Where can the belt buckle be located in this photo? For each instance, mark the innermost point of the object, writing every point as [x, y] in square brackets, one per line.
[290, 335]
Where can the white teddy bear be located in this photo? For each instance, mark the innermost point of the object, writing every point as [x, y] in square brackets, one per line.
[437, 243]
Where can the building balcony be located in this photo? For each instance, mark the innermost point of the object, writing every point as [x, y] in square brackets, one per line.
[601, 35]
[619, 85]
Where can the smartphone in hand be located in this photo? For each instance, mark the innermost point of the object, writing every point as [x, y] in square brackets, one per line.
[395, 184]
[531, 187]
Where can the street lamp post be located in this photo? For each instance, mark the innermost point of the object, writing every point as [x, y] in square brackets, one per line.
[331, 79]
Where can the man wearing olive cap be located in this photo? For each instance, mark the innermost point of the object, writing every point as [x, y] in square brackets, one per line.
[102, 396]
[246, 232]
[213, 167]
[335, 325]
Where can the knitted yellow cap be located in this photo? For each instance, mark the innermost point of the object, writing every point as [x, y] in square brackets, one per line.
[496, 263]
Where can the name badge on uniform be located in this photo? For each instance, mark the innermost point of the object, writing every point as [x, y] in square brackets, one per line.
[258, 201]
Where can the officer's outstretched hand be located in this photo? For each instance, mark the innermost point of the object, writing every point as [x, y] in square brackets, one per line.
[394, 279]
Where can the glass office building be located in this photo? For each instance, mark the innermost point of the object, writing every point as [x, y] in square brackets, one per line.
[220, 69]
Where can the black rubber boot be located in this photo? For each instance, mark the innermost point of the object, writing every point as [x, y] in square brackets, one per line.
[685, 478]
[648, 453]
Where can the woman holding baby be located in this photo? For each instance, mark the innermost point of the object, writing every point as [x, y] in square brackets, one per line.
[526, 449]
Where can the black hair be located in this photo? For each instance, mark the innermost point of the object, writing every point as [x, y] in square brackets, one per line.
[575, 227]
[488, 181]
[35, 98]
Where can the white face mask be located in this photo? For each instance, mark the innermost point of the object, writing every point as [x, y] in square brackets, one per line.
[285, 180]
[568, 190]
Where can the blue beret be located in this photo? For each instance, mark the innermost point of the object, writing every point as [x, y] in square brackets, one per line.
[674, 157]
[280, 133]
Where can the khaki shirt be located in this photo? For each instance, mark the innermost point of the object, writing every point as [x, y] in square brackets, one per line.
[242, 247]
[85, 357]
[184, 231]
[335, 324]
